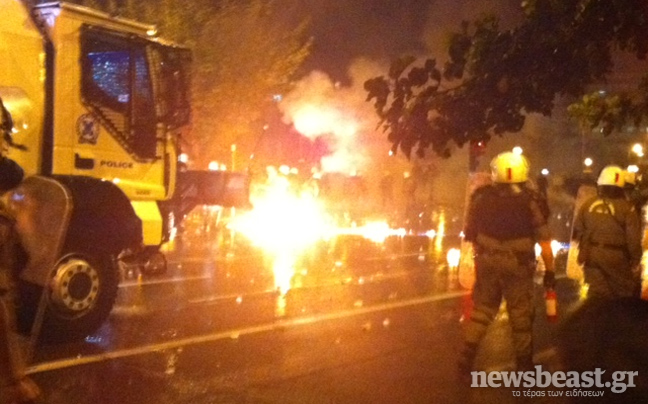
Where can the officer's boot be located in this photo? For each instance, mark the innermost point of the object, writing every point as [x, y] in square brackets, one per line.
[17, 387]
[467, 361]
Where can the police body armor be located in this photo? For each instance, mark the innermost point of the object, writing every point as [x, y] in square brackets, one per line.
[504, 224]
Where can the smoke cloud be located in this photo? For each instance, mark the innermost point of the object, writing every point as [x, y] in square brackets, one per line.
[336, 110]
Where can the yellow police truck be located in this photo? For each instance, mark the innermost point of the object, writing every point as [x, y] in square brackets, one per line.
[98, 104]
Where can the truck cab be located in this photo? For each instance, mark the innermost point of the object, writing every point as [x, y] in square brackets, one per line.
[115, 102]
[99, 105]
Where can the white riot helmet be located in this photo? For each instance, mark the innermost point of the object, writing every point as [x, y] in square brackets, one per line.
[612, 176]
[509, 168]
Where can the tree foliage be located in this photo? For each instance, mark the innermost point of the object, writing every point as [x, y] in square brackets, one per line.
[247, 53]
[494, 77]
[612, 112]
[176, 20]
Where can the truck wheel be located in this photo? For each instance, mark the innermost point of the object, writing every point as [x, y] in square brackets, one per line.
[80, 296]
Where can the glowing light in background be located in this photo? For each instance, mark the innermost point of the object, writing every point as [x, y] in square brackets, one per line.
[284, 169]
[453, 257]
[555, 247]
[311, 121]
[333, 124]
[637, 149]
[376, 231]
[644, 275]
[440, 233]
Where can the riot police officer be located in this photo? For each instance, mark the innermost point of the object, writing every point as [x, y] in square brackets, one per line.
[15, 386]
[505, 220]
[635, 191]
[608, 230]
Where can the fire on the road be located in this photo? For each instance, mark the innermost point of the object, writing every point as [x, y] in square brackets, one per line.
[285, 223]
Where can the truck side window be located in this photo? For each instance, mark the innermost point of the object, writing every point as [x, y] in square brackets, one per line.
[116, 87]
[170, 67]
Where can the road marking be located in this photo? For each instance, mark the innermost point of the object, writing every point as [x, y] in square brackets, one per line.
[130, 284]
[358, 279]
[236, 333]
[232, 296]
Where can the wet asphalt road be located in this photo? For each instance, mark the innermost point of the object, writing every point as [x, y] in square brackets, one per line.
[217, 331]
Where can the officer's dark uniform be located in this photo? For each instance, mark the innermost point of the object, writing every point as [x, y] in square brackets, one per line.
[15, 386]
[11, 366]
[608, 229]
[504, 222]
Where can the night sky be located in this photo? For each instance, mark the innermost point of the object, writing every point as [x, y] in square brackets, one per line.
[380, 30]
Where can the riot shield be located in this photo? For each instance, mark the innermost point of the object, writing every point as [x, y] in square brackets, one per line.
[42, 208]
[574, 269]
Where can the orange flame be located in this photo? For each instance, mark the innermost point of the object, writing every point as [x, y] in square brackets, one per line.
[284, 225]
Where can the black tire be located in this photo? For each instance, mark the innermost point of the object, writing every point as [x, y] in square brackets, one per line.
[80, 297]
[155, 264]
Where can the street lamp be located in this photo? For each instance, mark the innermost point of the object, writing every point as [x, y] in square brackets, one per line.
[637, 149]
[517, 150]
[588, 165]
[636, 156]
